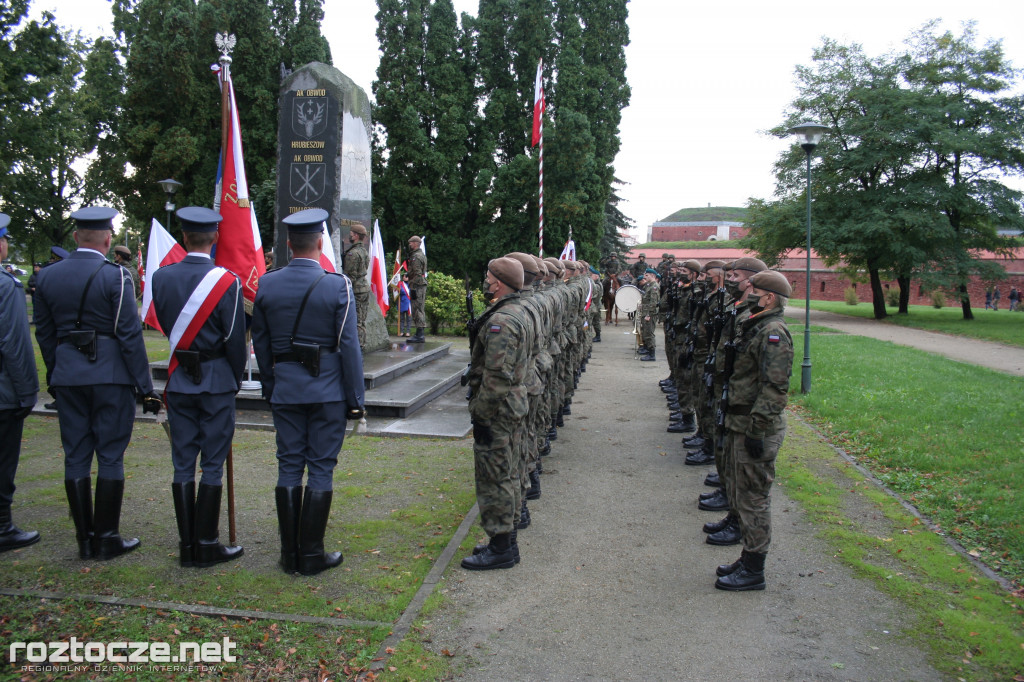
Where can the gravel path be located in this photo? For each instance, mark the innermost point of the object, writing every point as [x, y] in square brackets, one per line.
[617, 583]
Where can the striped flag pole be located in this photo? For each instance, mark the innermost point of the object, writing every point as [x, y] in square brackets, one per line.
[540, 203]
[538, 138]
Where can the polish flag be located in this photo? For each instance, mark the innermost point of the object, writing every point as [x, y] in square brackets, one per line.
[327, 260]
[162, 250]
[538, 103]
[375, 273]
[569, 252]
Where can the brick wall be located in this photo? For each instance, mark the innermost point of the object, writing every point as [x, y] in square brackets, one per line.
[830, 286]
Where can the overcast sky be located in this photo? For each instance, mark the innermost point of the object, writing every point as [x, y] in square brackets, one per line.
[708, 78]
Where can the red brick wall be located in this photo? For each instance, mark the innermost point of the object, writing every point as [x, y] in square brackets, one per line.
[830, 286]
[683, 234]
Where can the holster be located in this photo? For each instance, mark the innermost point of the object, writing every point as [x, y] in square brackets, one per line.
[190, 363]
[308, 355]
[84, 340]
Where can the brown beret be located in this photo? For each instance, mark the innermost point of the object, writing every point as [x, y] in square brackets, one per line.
[358, 229]
[772, 281]
[123, 250]
[693, 265]
[569, 265]
[416, 239]
[543, 270]
[508, 271]
[558, 265]
[529, 266]
[749, 264]
[713, 264]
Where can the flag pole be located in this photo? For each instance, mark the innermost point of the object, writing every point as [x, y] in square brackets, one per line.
[226, 42]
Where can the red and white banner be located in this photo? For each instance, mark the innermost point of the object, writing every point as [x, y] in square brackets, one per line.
[197, 310]
[538, 103]
[239, 247]
[569, 251]
[162, 250]
[590, 294]
[327, 259]
[375, 273]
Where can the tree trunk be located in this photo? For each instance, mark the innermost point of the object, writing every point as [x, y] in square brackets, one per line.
[965, 302]
[877, 294]
[904, 282]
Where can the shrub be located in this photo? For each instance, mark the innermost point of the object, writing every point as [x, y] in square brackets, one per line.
[446, 303]
[938, 299]
[892, 297]
[850, 296]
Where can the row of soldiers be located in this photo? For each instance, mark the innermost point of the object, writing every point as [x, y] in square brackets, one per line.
[730, 357]
[89, 334]
[528, 351]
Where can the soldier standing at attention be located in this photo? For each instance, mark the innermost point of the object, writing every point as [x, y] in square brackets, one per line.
[90, 337]
[597, 293]
[123, 257]
[648, 312]
[19, 385]
[304, 335]
[356, 263]
[417, 287]
[756, 424]
[501, 347]
[201, 308]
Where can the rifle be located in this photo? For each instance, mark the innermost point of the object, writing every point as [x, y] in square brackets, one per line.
[730, 365]
[714, 325]
[471, 328]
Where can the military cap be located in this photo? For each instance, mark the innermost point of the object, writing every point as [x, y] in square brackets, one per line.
[59, 252]
[558, 265]
[772, 281]
[642, 255]
[693, 265]
[415, 239]
[308, 221]
[652, 271]
[542, 267]
[749, 264]
[713, 264]
[198, 219]
[94, 218]
[594, 270]
[123, 250]
[358, 228]
[529, 266]
[508, 271]
[665, 255]
[569, 265]
[5, 220]
[671, 256]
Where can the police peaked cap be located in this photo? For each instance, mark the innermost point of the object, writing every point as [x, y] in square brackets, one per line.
[59, 252]
[713, 264]
[749, 264]
[198, 219]
[772, 281]
[5, 220]
[94, 218]
[308, 221]
[529, 265]
[508, 271]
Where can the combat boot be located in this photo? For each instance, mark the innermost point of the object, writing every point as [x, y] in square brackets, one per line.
[79, 491]
[749, 575]
[566, 410]
[703, 456]
[209, 551]
[184, 495]
[545, 449]
[514, 546]
[726, 569]
[694, 441]
[316, 506]
[524, 517]
[497, 554]
[649, 357]
[717, 502]
[597, 338]
[12, 537]
[715, 526]
[690, 421]
[559, 421]
[674, 405]
[107, 542]
[667, 381]
[730, 535]
[676, 427]
[289, 510]
[708, 495]
[533, 492]
[553, 432]
[417, 337]
[713, 480]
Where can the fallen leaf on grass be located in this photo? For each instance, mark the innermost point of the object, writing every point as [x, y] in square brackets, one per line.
[446, 652]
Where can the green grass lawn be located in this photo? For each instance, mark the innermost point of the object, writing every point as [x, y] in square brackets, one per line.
[990, 325]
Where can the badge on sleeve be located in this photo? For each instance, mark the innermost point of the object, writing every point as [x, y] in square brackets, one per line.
[495, 328]
[773, 338]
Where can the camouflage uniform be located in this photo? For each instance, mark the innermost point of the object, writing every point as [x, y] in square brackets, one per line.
[649, 305]
[595, 307]
[758, 390]
[418, 286]
[499, 363]
[357, 262]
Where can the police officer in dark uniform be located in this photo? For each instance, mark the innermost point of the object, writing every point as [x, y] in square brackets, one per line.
[307, 346]
[88, 329]
[18, 388]
[205, 372]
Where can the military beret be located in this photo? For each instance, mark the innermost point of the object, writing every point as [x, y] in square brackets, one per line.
[5, 220]
[529, 266]
[749, 264]
[309, 221]
[94, 218]
[594, 270]
[772, 281]
[693, 265]
[198, 219]
[59, 252]
[416, 240]
[358, 228]
[508, 271]
[569, 265]
[558, 265]
[713, 264]
[123, 250]
[542, 267]
[652, 271]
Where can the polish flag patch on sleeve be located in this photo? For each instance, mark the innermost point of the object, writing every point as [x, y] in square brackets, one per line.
[773, 338]
[495, 327]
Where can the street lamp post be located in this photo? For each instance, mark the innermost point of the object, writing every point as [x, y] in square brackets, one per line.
[809, 135]
[170, 187]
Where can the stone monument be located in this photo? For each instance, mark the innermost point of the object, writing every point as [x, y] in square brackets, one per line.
[323, 161]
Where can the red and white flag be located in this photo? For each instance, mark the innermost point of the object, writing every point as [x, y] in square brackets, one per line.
[569, 251]
[141, 270]
[162, 250]
[327, 260]
[538, 103]
[239, 247]
[375, 273]
[396, 274]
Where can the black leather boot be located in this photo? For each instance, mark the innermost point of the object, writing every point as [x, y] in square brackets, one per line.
[694, 441]
[497, 554]
[674, 406]
[690, 421]
[79, 491]
[726, 569]
[107, 542]
[524, 517]
[708, 495]
[209, 551]
[545, 449]
[553, 432]
[513, 545]
[649, 357]
[597, 338]
[184, 495]
[289, 510]
[715, 526]
[417, 337]
[558, 419]
[717, 502]
[566, 410]
[730, 535]
[667, 381]
[713, 480]
[12, 537]
[533, 492]
[706, 455]
[749, 575]
[316, 506]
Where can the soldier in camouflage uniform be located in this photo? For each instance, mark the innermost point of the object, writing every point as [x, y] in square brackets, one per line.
[712, 301]
[417, 288]
[499, 361]
[678, 385]
[756, 424]
[638, 268]
[648, 313]
[355, 263]
[597, 293]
